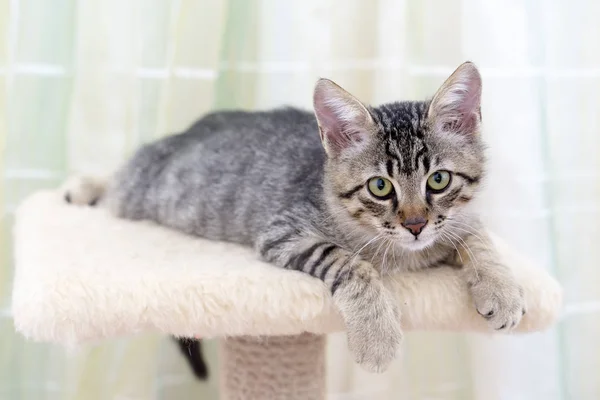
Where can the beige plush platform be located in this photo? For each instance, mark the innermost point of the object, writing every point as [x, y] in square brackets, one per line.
[83, 275]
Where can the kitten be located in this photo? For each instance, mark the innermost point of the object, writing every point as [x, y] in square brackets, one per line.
[379, 189]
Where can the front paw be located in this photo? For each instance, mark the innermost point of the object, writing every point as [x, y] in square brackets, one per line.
[499, 299]
[374, 334]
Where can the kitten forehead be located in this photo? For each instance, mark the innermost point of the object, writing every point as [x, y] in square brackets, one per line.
[402, 127]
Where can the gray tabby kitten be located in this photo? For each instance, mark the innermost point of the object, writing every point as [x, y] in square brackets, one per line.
[380, 189]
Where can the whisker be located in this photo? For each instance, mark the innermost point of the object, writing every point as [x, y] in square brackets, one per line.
[335, 213]
[426, 250]
[443, 235]
[357, 252]
[394, 254]
[485, 244]
[470, 229]
[391, 276]
[389, 242]
[377, 250]
[463, 244]
[474, 260]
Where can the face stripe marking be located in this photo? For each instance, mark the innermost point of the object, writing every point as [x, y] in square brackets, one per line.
[470, 179]
[426, 164]
[450, 197]
[351, 192]
[358, 213]
[375, 208]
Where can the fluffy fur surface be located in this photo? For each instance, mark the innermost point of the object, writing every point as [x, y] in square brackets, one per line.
[84, 275]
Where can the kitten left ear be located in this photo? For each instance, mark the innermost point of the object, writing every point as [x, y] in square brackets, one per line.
[345, 124]
[456, 107]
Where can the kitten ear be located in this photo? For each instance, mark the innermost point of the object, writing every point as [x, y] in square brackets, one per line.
[456, 107]
[344, 122]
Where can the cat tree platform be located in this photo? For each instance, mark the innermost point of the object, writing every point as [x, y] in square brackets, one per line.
[82, 275]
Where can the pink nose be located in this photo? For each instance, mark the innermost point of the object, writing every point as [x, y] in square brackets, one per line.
[415, 225]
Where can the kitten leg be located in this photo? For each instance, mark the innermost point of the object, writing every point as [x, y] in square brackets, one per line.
[497, 295]
[369, 311]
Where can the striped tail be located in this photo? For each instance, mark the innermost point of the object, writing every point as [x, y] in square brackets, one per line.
[192, 351]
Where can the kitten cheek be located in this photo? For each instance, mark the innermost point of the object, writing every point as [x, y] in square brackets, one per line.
[374, 223]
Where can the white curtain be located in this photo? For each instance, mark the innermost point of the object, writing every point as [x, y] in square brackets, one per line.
[83, 83]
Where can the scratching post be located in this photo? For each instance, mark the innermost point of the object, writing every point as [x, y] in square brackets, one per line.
[273, 367]
[82, 275]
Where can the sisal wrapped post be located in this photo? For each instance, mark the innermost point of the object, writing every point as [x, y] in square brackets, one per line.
[273, 367]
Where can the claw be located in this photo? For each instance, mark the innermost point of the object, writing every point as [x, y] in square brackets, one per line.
[486, 316]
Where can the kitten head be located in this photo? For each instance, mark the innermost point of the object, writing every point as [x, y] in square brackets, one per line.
[401, 169]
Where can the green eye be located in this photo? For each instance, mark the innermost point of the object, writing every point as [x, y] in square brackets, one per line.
[380, 187]
[438, 181]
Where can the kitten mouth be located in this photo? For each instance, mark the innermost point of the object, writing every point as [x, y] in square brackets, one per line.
[417, 244]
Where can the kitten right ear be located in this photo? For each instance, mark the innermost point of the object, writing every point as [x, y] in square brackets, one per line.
[345, 124]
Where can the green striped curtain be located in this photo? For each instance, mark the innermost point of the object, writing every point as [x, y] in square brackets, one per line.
[84, 82]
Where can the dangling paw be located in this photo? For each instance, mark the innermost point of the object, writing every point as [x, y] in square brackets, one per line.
[499, 299]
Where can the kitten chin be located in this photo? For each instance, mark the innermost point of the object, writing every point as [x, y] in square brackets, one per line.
[417, 245]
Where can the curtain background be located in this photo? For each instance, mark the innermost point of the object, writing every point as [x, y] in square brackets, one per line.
[83, 83]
